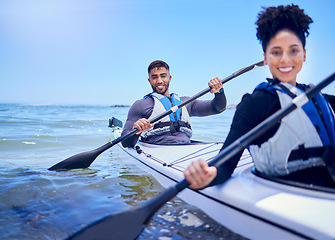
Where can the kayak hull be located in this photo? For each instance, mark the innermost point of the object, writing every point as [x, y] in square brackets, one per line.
[254, 207]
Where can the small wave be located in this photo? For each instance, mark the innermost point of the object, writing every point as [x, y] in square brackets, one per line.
[8, 142]
[45, 136]
[69, 123]
[29, 143]
[37, 104]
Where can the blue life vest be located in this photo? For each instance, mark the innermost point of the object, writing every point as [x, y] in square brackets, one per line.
[169, 103]
[178, 121]
[323, 122]
[301, 138]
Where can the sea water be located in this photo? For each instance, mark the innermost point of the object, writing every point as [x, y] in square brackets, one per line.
[39, 204]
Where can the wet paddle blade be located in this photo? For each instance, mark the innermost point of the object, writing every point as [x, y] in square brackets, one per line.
[126, 225]
[81, 160]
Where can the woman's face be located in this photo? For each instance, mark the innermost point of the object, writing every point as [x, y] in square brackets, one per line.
[285, 55]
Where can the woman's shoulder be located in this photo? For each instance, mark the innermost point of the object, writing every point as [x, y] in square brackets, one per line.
[258, 96]
[258, 105]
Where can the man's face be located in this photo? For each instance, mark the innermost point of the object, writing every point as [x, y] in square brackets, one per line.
[159, 79]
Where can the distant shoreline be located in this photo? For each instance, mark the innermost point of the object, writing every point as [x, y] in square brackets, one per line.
[119, 105]
[231, 106]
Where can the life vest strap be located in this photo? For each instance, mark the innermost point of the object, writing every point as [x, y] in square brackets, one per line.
[329, 158]
[306, 153]
[173, 124]
[327, 153]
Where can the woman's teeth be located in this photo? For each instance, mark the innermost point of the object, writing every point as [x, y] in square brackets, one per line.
[285, 69]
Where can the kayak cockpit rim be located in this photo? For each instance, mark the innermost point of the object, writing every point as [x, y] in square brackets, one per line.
[293, 183]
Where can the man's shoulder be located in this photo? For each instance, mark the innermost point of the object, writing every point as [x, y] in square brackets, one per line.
[184, 98]
[142, 107]
[145, 100]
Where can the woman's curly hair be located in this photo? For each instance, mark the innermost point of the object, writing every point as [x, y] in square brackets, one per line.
[273, 19]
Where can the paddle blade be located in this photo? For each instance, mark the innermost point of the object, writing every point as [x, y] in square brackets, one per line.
[81, 160]
[126, 225]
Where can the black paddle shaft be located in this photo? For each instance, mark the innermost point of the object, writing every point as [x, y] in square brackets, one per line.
[191, 99]
[203, 92]
[129, 224]
[85, 159]
[261, 128]
[242, 142]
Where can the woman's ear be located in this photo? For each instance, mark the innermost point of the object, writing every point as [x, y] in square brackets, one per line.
[265, 63]
[304, 55]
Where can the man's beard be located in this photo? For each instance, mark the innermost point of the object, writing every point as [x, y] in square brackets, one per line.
[155, 89]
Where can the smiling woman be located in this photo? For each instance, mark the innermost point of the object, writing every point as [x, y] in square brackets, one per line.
[285, 55]
[288, 149]
[283, 41]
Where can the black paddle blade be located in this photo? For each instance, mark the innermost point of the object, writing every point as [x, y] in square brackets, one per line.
[81, 160]
[125, 225]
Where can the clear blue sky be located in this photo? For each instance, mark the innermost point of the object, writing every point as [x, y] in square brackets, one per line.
[98, 51]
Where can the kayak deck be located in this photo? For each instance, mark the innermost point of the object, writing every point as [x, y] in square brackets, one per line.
[249, 205]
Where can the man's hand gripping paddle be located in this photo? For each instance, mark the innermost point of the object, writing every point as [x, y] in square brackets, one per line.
[85, 159]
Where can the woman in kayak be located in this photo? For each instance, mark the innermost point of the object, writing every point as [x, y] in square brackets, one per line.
[296, 147]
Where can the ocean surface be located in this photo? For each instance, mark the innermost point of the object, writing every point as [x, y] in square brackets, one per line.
[39, 204]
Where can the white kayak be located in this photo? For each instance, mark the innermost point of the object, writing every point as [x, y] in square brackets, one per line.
[255, 207]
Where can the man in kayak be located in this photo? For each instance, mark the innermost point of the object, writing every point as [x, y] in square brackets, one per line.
[301, 146]
[176, 127]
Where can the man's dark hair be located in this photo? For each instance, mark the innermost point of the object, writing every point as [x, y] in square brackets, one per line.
[273, 19]
[157, 64]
